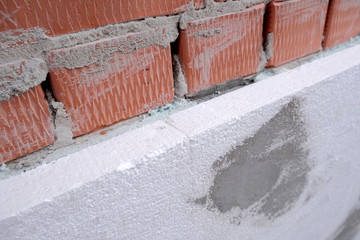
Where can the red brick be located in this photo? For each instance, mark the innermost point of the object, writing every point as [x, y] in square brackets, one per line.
[126, 86]
[231, 50]
[25, 124]
[66, 16]
[342, 23]
[297, 27]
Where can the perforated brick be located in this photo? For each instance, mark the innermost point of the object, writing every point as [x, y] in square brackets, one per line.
[293, 29]
[25, 124]
[112, 88]
[217, 49]
[66, 16]
[342, 23]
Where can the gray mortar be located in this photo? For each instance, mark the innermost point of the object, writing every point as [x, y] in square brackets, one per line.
[269, 50]
[62, 122]
[214, 9]
[267, 173]
[263, 60]
[11, 83]
[180, 84]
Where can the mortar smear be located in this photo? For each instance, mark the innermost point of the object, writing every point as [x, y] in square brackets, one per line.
[18, 77]
[214, 9]
[180, 84]
[62, 122]
[36, 42]
[269, 50]
[33, 44]
[267, 173]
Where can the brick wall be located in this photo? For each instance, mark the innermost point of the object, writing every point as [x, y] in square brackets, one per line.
[105, 63]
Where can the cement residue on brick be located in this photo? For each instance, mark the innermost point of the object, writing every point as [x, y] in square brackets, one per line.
[267, 173]
[208, 32]
[263, 60]
[62, 122]
[214, 9]
[19, 76]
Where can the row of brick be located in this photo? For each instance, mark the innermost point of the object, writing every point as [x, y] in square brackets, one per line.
[66, 16]
[58, 17]
[211, 50]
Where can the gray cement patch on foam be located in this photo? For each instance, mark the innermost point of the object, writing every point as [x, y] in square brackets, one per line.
[267, 173]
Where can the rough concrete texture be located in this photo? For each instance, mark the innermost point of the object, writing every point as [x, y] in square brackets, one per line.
[142, 184]
[19, 76]
[267, 172]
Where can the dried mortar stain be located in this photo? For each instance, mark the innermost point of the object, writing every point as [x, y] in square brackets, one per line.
[267, 173]
[18, 77]
[180, 84]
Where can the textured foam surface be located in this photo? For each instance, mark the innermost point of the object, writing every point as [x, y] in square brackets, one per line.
[152, 182]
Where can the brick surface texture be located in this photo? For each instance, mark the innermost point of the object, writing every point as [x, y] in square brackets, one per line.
[127, 85]
[25, 124]
[110, 80]
[297, 28]
[66, 16]
[217, 49]
[343, 22]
